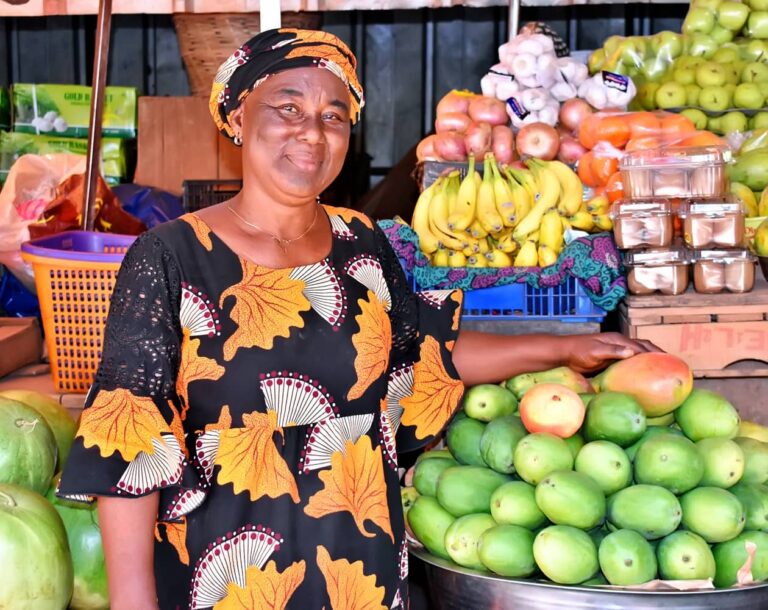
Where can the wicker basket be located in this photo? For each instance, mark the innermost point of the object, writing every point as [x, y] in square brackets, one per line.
[206, 40]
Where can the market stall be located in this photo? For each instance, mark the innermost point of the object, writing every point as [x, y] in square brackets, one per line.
[564, 192]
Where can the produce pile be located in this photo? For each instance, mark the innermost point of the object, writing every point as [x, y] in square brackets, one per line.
[632, 476]
[50, 549]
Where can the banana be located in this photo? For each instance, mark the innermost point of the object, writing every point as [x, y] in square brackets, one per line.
[503, 195]
[549, 194]
[582, 220]
[507, 243]
[547, 256]
[551, 232]
[497, 258]
[571, 186]
[486, 201]
[440, 258]
[456, 259]
[525, 179]
[603, 222]
[477, 260]
[476, 230]
[466, 200]
[527, 257]
[599, 205]
[521, 197]
[438, 214]
[428, 241]
[534, 237]
[566, 224]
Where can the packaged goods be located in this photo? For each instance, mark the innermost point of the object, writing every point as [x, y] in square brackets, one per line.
[713, 224]
[64, 110]
[639, 224]
[720, 270]
[657, 270]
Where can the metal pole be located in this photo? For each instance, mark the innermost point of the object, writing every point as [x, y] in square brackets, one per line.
[514, 18]
[99, 81]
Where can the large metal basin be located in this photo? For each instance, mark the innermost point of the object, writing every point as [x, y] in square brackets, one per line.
[455, 588]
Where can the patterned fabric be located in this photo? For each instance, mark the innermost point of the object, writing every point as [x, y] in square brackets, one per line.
[593, 260]
[274, 51]
[268, 407]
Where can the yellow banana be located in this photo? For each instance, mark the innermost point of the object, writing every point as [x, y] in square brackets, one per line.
[599, 205]
[477, 260]
[507, 243]
[483, 245]
[521, 197]
[486, 201]
[440, 258]
[497, 258]
[547, 256]
[551, 232]
[527, 257]
[503, 196]
[572, 190]
[534, 236]
[428, 241]
[566, 223]
[582, 220]
[456, 259]
[548, 196]
[603, 222]
[438, 215]
[466, 200]
[525, 178]
[476, 230]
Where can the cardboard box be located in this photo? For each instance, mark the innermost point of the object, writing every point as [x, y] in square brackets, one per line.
[178, 141]
[20, 343]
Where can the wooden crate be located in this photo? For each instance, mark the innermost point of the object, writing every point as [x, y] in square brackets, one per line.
[720, 335]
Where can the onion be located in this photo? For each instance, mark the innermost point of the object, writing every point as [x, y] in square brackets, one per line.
[450, 146]
[502, 143]
[488, 110]
[455, 101]
[570, 150]
[538, 140]
[425, 151]
[452, 121]
[573, 112]
[478, 139]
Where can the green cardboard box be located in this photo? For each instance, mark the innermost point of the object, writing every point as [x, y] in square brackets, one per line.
[64, 110]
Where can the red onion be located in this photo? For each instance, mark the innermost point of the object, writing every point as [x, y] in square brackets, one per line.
[573, 112]
[488, 110]
[450, 146]
[452, 121]
[503, 144]
[478, 139]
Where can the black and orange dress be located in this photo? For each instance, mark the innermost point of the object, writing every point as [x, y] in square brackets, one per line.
[267, 406]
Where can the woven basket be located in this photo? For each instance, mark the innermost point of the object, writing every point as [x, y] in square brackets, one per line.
[206, 40]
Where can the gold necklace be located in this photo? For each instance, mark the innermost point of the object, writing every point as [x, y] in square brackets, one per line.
[282, 243]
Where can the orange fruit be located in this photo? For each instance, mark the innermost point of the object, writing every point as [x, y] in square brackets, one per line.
[614, 129]
[603, 168]
[614, 188]
[643, 124]
[588, 131]
[642, 143]
[584, 169]
[701, 138]
[677, 123]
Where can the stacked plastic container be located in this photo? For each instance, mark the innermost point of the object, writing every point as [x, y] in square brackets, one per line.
[678, 221]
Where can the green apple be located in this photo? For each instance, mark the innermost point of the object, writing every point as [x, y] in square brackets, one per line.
[754, 72]
[755, 50]
[670, 95]
[715, 124]
[689, 61]
[611, 44]
[632, 51]
[596, 61]
[726, 55]
[702, 45]
[758, 5]
[692, 92]
[748, 95]
[708, 4]
[730, 89]
[699, 20]
[721, 35]
[733, 72]
[684, 76]
[759, 121]
[697, 117]
[732, 15]
[715, 99]
[757, 25]
[734, 122]
[646, 95]
[667, 45]
[711, 74]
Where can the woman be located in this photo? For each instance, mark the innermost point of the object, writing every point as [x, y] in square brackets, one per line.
[261, 357]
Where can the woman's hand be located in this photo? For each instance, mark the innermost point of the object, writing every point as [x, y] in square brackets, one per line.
[590, 353]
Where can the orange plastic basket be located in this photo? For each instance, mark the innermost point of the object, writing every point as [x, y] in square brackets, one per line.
[75, 274]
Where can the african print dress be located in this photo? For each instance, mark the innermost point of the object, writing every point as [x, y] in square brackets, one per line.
[266, 405]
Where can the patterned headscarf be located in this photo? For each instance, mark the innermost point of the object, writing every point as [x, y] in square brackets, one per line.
[275, 51]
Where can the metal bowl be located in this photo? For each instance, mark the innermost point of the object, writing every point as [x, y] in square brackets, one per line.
[454, 588]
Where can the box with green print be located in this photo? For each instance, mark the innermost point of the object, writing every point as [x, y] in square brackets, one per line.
[64, 110]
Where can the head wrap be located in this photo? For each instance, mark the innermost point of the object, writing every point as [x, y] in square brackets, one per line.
[275, 51]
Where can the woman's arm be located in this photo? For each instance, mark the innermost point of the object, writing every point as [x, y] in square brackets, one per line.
[490, 358]
[128, 533]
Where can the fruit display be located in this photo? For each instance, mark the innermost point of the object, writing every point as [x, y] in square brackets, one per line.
[509, 217]
[50, 549]
[628, 477]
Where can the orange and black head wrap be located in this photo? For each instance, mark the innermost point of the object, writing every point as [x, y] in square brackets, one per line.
[275, 51]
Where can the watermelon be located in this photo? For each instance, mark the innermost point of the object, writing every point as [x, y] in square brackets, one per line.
[27, 447]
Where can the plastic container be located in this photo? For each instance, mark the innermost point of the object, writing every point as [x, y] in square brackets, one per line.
[75, 273]
[199, 194]
[682, 172]
[658, 270]
[642, 224]
[713, 224]
[720, 270]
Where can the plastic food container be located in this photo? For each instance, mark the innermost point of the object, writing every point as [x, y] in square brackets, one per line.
[642, 224]
[718, 270]
[675, 172]
[657, 270]
[713, 224]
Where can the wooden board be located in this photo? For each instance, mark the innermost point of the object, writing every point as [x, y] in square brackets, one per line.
[691, 298]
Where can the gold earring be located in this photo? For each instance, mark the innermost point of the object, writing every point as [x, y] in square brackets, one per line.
[238, 141]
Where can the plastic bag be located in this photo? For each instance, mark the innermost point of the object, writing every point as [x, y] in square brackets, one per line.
[150, 205]
[16, 300]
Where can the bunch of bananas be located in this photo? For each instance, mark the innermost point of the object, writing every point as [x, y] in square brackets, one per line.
[509, 217]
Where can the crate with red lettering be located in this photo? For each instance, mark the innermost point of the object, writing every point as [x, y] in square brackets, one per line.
[718, 335]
